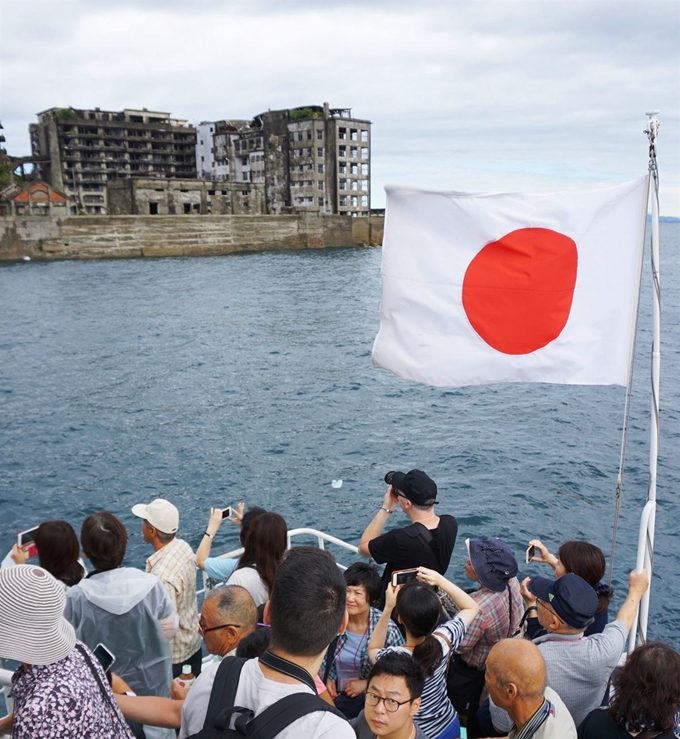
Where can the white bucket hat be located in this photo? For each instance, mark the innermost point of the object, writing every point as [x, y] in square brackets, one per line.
[160, 513]
[32, 627]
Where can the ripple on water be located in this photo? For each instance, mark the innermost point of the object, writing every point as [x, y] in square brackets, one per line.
[129, 380]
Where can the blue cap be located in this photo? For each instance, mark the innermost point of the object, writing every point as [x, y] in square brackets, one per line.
[571, 597]
[493, 562]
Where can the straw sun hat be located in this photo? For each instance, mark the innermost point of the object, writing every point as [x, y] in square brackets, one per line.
[32, 627]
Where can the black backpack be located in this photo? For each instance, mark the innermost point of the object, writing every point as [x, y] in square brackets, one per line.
[268, 724]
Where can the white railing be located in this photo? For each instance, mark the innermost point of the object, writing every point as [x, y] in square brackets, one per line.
[6, 682]
[321, 540]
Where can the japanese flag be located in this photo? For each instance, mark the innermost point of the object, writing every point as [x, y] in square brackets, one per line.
[485, 288]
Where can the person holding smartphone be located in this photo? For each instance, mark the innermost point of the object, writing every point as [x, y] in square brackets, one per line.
[59, 688]
[221, 568]
[419, 610]
[427, 542]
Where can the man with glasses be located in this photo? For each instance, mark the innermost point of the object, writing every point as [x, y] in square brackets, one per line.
[427, 542]
[228, 615]
[578, 668]
[395, 686]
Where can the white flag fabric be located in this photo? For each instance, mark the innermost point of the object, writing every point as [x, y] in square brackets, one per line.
[487, 288]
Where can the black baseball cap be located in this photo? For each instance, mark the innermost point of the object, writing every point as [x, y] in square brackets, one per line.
[572, 598]
[416, 486]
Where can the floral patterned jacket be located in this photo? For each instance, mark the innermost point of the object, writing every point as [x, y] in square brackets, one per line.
[64, 701]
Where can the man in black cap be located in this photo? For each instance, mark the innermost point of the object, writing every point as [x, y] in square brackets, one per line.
[427, 542]
[578, 667]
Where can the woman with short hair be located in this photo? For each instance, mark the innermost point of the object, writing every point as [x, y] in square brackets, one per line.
[346, 665]
[124, 608]
[646, 700]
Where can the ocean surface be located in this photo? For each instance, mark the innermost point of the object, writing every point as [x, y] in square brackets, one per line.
[248, 377]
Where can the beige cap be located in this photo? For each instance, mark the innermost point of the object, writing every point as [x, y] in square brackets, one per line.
[160, 513]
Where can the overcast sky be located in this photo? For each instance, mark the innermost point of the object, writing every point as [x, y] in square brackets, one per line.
[469, 95]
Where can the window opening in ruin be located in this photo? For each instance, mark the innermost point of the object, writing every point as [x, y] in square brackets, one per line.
[153, 209]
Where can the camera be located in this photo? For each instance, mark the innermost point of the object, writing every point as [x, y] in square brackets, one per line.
[389, 476]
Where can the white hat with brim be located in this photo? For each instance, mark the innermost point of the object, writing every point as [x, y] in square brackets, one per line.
[32, 627]
[160, 513]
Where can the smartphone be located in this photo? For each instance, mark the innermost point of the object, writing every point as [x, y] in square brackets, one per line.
[227, 512]
[26, 541]
[532, 551]
[105, 656]
[399, 577]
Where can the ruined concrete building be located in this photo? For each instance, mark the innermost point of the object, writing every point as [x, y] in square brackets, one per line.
[312, 158]
[85, 149]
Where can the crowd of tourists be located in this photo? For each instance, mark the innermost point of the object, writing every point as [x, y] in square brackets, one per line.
[295, 647]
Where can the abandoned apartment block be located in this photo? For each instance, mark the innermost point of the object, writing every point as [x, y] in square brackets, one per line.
[139, 162]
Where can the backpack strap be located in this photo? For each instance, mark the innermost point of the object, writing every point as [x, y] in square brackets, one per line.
[419, 531]
[330, 657]
[272, 721]
[224, 688]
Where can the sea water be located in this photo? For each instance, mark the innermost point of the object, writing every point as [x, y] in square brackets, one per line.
[209, 381]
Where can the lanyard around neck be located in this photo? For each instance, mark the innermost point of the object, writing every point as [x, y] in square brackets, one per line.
[286, 667]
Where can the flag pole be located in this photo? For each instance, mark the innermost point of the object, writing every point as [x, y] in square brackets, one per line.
[645, 554]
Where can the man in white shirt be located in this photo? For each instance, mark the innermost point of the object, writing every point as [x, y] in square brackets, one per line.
[516, 679]
[306, 611]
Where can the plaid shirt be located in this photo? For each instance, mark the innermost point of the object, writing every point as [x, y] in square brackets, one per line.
[493, 622]
[175, 566]
[394, 639]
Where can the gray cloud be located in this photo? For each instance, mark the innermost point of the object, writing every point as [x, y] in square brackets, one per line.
[465, 94]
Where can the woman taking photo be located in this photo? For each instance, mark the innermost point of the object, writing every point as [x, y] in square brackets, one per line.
[220, 568]
[263, 550]
[582, 559]
[346, 666]
[419, 610]
[58, 552]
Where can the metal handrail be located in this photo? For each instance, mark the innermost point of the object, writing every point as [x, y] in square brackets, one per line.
[321, 540]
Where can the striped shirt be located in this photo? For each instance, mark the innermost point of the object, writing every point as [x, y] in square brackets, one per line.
[175, 566]
[436, 712]
[551, 721]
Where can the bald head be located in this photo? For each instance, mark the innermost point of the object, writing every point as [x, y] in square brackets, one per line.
[518, 661]
[234, 603]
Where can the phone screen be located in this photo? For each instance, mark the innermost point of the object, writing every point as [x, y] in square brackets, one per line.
[399, 578]
[226, 512]
[105, 657]
[26, 537]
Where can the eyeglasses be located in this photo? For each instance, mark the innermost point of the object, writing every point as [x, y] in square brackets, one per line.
[550, 610]
[203, 630]
[391, 705]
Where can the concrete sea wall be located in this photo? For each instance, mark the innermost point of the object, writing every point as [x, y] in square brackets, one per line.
[103, 237]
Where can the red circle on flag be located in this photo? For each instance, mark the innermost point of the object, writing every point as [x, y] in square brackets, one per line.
[518, 291]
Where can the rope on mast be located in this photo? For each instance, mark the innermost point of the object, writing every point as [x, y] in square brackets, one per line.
[626, 408]
[645, 554]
